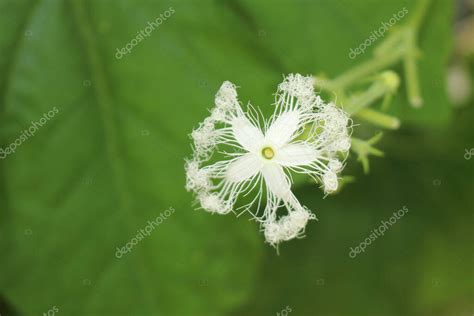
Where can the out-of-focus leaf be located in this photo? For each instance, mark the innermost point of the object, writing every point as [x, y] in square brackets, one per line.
[112, 158]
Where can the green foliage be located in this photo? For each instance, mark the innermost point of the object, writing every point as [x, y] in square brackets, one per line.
[112, 159]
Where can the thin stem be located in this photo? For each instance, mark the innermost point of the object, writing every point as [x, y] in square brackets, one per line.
[367, 68]
[387, 83]
[411, 73]
[355, 104]
[378, 118]
[409, 61]
[419, 15]
[383, 61]
[388, 44]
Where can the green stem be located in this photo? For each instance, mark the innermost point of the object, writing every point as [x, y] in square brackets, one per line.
[420, 12]
[366, 68]
[409, 61]
[411, 72]
[357, 103]
[390, 43]
[378, 118]
[382, 61]
[385, 84]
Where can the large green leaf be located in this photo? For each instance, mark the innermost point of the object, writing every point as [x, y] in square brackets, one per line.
[112, 158]
[110, 161]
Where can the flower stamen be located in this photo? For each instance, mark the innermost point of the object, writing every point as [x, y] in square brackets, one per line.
[268, 153]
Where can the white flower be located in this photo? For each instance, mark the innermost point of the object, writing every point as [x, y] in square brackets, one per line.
[304, 135]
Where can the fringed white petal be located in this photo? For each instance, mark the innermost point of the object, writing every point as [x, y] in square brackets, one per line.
[297, 154]
[335, 165]
[288, 227]
[247, 135]
[197, 179]
[212, 203]
[330, 182]
[226, 97]
[276, 180]
[283, 128]
[297, 91]
[244, 167]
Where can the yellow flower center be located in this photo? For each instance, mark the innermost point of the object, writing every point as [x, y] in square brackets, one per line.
[268, 153]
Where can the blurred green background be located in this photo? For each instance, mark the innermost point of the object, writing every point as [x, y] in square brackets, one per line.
[112, 159]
